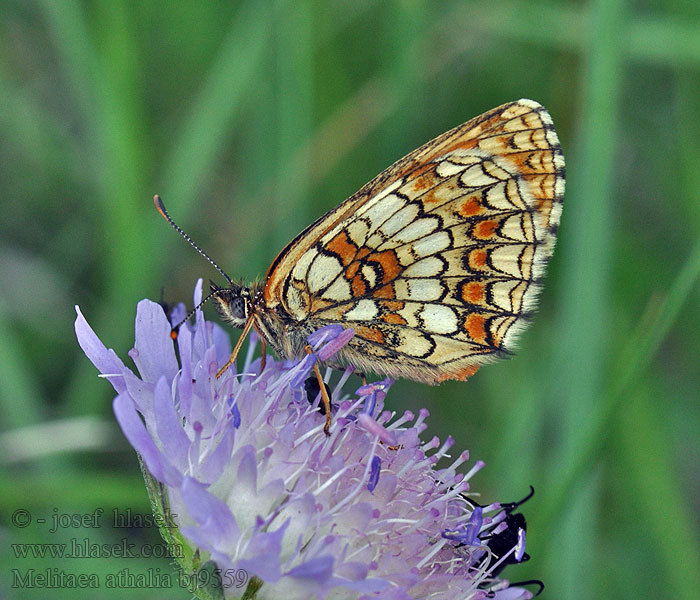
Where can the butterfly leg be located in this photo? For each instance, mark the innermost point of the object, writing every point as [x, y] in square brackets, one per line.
[324, 394]
[362, 376]
[244, 334]
[263, 347]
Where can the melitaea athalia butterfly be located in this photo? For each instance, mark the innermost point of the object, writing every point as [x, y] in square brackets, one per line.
[435, 264]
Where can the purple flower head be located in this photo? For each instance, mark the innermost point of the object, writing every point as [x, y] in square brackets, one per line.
[253, 482]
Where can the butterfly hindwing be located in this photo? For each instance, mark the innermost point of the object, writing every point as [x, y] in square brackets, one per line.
[436, 262]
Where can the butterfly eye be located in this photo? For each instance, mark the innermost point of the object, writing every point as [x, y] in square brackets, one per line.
[238, 308]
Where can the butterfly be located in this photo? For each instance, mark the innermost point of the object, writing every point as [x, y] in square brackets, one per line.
[436, 263]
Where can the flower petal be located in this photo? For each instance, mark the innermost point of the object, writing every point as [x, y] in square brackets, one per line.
[215, 463]
[319, 569]
[155, 353]
[330, 349]
[212, 514]
[106, 361]
[132, 426]
[184, 383]
[513, 593]
[169, 425]
[263, 555]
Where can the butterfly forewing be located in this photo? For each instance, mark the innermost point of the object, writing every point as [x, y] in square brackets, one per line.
[436, 262]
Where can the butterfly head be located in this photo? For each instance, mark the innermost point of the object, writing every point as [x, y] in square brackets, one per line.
[233, 303]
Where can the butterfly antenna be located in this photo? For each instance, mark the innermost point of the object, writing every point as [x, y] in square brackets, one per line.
[164, 213]
[173, 331]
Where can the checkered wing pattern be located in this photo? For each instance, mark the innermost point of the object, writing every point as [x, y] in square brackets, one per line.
[437, 262]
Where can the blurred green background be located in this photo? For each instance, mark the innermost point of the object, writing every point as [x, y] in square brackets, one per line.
[253, 118]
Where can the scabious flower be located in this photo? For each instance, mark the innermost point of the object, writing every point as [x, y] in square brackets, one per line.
[254, 485]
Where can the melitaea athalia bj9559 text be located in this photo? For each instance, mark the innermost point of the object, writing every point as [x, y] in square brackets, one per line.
[435, 264]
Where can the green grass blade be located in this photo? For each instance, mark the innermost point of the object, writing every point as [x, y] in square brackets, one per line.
[214, 109]
[585, 289]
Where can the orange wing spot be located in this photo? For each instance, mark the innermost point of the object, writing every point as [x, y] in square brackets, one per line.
[462, 144]
[470, 207]
[352, 270]
[466, 372]
[462, 375]
[485, 229]
[474, 292]
[358, 286]
[475, 326]
[318, 304]
[342, 246]
[420, 184]
[371, 334]
[422, 178]
[477, 259]
[362, 252]
[430, 197]
[505, 141]
[394, 305]
[394, 319]
[386, 291]
[523, 163]
[389, 263]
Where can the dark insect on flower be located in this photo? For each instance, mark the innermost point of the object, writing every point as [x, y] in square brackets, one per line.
[507, 536]
[175, 312]
[502, 542]
[167, 307]
[313, 389]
